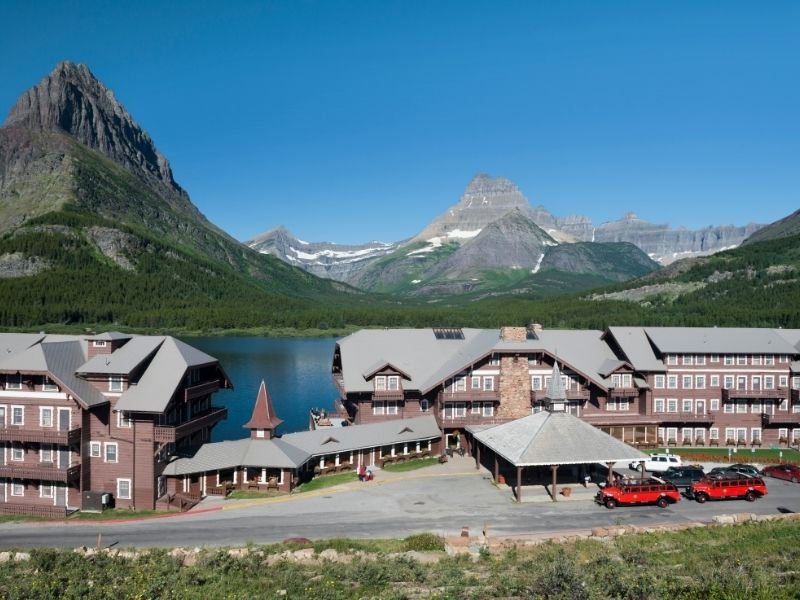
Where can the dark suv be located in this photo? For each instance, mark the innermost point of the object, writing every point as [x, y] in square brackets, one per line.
[682, 476]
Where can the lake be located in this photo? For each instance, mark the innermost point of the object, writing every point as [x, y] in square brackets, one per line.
[297, 372]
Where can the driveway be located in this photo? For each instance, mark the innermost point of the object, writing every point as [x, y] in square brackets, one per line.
[441, 499]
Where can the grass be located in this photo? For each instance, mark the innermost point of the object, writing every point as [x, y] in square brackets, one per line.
[411, 465]
[251, 494]
[111, 514]
[326, 481]
[740, 455]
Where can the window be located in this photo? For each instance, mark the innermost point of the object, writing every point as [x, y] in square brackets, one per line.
[687, 405]
[45, 490]
[94, 449]
[782, 404]
[714, 358]
[756, 358]
[728, 382]
[713, 433]
[460, 409]
[715, 381]
[714, 404]
[49, 385]
[672, 382]
[795, 382]
[476, 383]
[658, 382]
[741, 406]
[99, 343]
[783, 381]
[17, 489]
[658, 405]
[460, 384]
[687, 382]
[111, 452]
[46, 416]
[700, 359]
[536, 382]
[13, 382]
[672, 359]
[46, 453]
[488, 409]
[728, 408]
[423, 405]
[17, 452]
[114, 383]
[494, 361]
[784, 358]
[769, 360]
[18, 415]
[393, 382]
[783, 433]
[687, 359]
[476, 408]
[124, 489]
[728, 359]
[741, 359]
[756, 383]
[391, 407]
[672, 405]
[755, 434]
[700, 382]
[623, 404]
[123, 419]
[380, 383]
[488, 384]
[756, 407]
[611, 404]
[769, 382]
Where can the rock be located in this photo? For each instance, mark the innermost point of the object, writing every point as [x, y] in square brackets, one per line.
[5, 557]
[329, 554]
[305, 554]
[723, 519]
[743, 517]
[21, 556]
[423, 557]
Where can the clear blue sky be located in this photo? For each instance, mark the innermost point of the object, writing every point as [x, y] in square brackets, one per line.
[350, 121]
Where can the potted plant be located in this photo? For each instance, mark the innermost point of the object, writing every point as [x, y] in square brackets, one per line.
[566, 492]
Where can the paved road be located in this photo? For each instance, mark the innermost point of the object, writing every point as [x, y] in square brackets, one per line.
[428, 500]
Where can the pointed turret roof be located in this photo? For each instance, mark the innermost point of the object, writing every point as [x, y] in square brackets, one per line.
[556, 391]
[264, 416]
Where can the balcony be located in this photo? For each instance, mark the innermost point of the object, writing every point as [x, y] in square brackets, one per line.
[623, 392]
[783, 418]
[11, 433]
[619, 418]
[41, 471]
[746, 393]
[685, 417]
[578, 395]
[172, 433]
[470, 396]
[380, 395]
[200, 390]
[469, 419]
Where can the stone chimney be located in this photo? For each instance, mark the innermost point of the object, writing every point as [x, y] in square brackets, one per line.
[513, 334]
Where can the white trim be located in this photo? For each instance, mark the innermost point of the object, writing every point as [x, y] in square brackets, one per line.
[130, 488]
[42, 411]
[95, 446]
[116, 452]
[10, 394]
[11, 412]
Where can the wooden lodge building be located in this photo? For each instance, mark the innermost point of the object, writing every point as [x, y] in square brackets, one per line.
[646, 386]
[86, 416]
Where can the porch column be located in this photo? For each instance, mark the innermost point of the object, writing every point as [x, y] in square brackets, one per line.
[519, 484]
[477, 455]
[554, 486]
[641, 469]
[496, 468]
[610, 477]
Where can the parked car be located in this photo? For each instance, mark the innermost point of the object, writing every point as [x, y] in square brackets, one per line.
[787, 472]
[731, 485]
[658, 463]
[682, 476]
[745, 469]
[646, 491]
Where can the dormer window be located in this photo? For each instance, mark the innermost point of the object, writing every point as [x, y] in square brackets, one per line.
[14, 382]
[99, 343]
[380, 383]
[393, 383]
[49, 385]
[114, 383]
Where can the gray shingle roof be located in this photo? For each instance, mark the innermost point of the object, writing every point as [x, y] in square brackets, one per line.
[109, 336]
[718, 340]
[637, 349]
[123, 360]
[12, 343]
[295, 449]
[164, 374]
[548, 438]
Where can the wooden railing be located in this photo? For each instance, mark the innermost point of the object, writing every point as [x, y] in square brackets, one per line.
[470, 396]
[783, 418]
[623, 392]
[172, 433]
[583, 395]
[619, 418]
[387, 395]
[13, 433]
[34, 510]
[685, 417]
[468, 419]
[43, 471]
[731, 393]
[202, 389]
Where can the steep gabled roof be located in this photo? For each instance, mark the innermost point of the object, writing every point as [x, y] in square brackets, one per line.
[12, 343]
[124, 360]
[383, 365]
[163, 376]
[634, 344]
[109, 336]
[612, 365]
[718, 340]
[263, 416]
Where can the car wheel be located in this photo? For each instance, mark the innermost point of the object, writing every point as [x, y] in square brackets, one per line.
[611, 503]
[701, 498]
[662, 502]
[750, 496]
[794, 479]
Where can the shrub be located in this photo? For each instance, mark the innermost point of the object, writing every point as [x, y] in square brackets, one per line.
[423, 542]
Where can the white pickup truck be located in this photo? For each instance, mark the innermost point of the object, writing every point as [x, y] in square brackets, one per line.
[658, 463]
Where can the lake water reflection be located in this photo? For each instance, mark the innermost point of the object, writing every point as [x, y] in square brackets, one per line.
[297, 372]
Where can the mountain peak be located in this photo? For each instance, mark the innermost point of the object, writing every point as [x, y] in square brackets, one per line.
[484, 184]
[72, 100]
